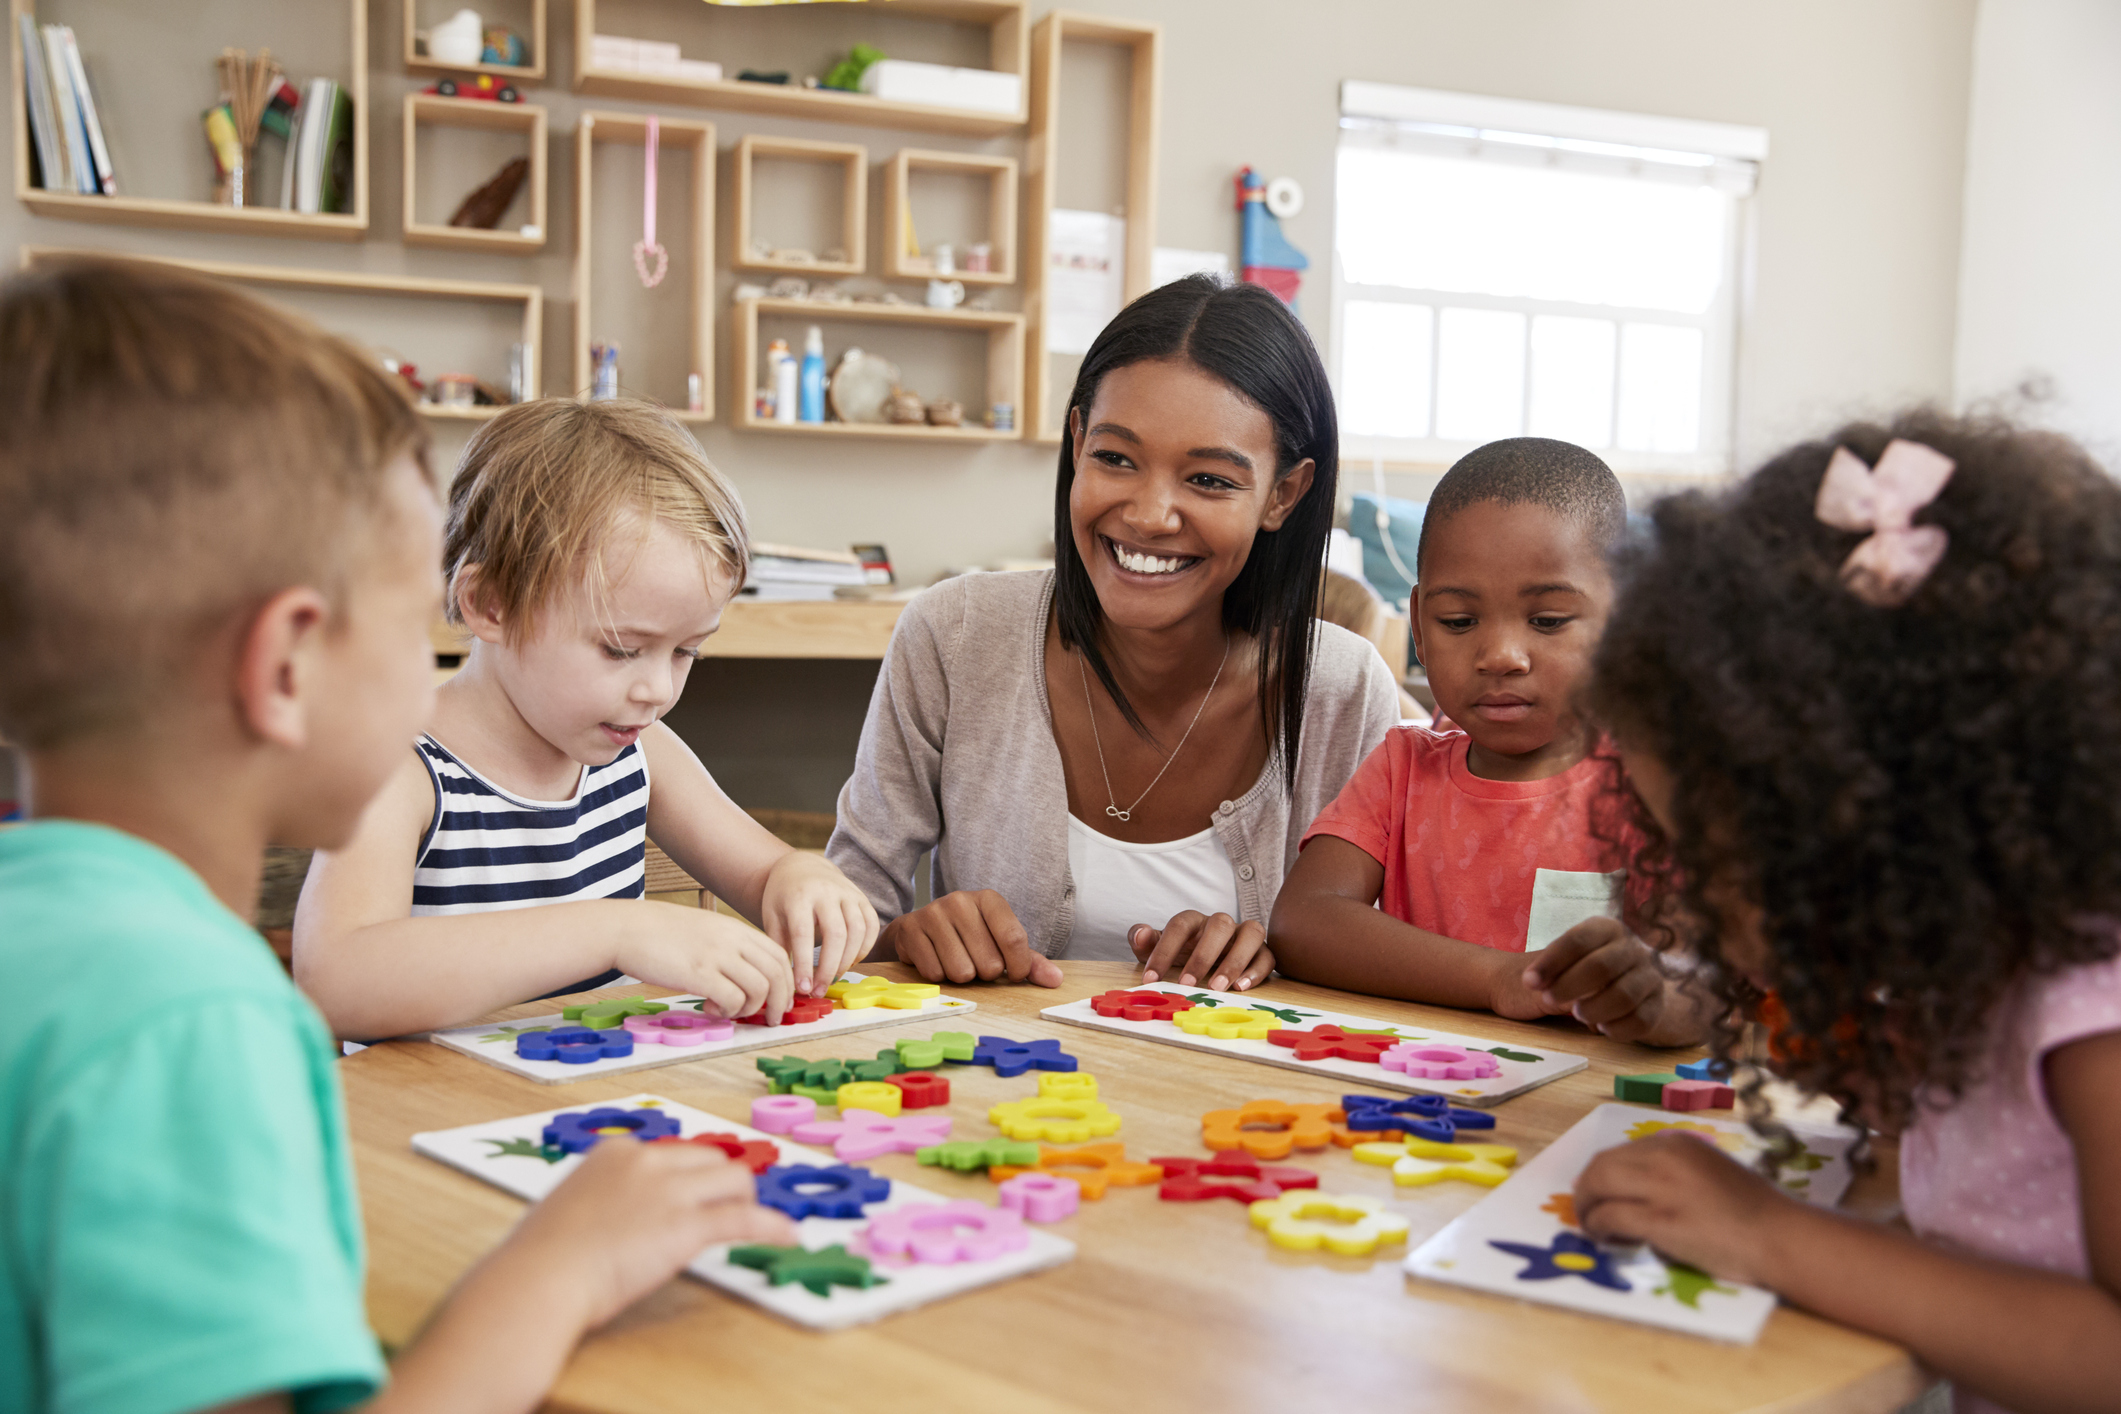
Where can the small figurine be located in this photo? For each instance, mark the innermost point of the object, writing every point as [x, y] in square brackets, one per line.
[482, 210]
[946, 412]
[904, 407]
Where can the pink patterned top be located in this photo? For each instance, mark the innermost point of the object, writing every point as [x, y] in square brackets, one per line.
[1995, 1174]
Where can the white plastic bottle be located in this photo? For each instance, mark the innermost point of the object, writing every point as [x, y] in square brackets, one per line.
[784, 371]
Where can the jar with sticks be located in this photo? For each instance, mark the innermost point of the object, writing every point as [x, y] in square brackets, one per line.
[247, 85]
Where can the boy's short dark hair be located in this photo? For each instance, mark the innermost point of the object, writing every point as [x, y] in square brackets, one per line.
[173, 452]
[1537, 471]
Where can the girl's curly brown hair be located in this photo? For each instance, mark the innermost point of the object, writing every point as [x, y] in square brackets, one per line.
[1922, 803]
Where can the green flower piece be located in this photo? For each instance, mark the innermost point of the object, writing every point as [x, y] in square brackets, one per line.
[820, 1271]
[1509, 1055]
[606, 1014]
[522, 1149]
[953, 1046]
[1685, 1285]
[821, 1079]
[965, 1155]
[509, 1033]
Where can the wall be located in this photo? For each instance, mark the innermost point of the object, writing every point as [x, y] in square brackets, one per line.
[2039, 284]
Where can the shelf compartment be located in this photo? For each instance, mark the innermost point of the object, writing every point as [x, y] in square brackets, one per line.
[482, 115]
[1000, 173]
[1004, 19]
[631, 130]
[1005, 364]
[853, 161]
[534, 71]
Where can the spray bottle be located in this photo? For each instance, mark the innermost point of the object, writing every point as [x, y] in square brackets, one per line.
[813, 375]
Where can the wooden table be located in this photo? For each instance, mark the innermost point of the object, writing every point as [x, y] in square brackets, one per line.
[1167, 1306]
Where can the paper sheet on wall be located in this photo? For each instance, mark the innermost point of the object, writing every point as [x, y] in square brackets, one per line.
[1086, 257]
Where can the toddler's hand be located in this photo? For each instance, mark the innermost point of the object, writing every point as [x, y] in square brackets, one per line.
[1215, 951]
[809, 903]
[1610, 980]
[632, 1215]
[967, 934]
[1688, 1199]
[734, 966]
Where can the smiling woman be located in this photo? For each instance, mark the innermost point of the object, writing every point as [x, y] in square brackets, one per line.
[1116, 759]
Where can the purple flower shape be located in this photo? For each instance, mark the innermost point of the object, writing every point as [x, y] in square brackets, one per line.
[577, 1132]
[1569, 1255]
[574, 1045]
[1429, 1116]
[1012, 1058]
[841, 1190]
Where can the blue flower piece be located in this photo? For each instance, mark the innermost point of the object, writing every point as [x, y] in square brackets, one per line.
[1012, 1058]
[1429, 1116]
[578, 1132]
[821, 1190]
[1709, 1068]
[1569, 1255]
[574, 1045]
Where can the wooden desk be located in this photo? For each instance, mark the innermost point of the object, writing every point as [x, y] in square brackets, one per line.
[1167, 1306]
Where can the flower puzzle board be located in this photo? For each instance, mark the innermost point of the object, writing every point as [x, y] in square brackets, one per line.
[508, 1154]
[1507, 1070]
[1522, 1239]
[496, 1045]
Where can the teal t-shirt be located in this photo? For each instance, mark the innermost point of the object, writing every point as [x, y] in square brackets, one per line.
[178, 1225]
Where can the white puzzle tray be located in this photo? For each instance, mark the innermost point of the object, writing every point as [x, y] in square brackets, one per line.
[496, 1045]
[507, 1154]
[1556, 1264]
[1509, 1070]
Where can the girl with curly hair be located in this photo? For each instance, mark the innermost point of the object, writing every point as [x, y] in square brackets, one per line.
[1870, 700]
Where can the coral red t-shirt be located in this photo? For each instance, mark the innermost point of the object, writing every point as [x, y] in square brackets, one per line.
[1510, 865]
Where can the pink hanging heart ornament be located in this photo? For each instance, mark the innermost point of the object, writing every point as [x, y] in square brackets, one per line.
[647, 247]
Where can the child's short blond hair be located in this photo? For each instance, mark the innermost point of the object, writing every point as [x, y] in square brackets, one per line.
[543, 489]
[173, 452]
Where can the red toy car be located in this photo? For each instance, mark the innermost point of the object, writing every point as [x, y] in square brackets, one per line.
[481, 87]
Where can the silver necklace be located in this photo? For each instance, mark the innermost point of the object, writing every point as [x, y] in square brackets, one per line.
[1113, 809]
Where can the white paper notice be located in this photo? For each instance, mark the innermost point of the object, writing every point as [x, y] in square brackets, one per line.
[1563, 898]
[1086, 257]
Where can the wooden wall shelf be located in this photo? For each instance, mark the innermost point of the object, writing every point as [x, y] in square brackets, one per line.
[1001, 216]
[530, 298]
[484, 114]
[1005, 363]
[171, 214]
[534, 71]
[853, 160]
[1041, 416]
[632, 129]
[1004, 18]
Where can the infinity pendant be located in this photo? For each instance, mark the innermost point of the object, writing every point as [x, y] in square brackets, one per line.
[1118, 814]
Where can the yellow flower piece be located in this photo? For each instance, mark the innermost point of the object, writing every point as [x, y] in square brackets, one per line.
[1729, 1143]
[871, 1095]
[1417, 1163]
[1304, 1221]
[1068, 1085]
[1054, 1121]
[1222, 1024]
[883, 992]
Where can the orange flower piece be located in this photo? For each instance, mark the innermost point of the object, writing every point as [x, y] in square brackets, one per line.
[1269, 1129]
[1093, 1166]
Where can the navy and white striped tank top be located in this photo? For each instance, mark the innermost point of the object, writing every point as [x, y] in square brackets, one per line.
[488, 850]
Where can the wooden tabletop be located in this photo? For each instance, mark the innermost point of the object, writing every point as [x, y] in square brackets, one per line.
[1167, 1306]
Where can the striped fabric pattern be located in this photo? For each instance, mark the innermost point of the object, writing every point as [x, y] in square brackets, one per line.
[488, 850]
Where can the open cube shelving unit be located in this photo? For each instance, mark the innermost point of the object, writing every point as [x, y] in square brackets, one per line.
[418, 63]
[434, 110]
[852, 159]
[1000, 173]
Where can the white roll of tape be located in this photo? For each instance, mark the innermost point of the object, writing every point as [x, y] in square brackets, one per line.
[1285, 197]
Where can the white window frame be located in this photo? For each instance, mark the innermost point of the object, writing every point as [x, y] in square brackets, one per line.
[1728, 156]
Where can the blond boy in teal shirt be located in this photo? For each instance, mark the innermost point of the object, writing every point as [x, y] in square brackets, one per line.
[219, 553]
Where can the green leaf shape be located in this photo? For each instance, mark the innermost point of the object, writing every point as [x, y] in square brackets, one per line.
[522, 1149]
[1288, 1014]
[1804, 1160]
[1686, 1284]
[509, 1033]
[1509, 1055]
[1381, 1031]
[819, 1271]
[1206, 999]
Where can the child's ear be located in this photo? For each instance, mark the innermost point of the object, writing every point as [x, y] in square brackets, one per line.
[1286, 493]
[480, 615]
[1414, 624]
[276, 666]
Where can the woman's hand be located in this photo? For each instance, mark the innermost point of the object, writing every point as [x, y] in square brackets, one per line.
[967, 935]
[1229, 955]
[809, 903]
[1689, 1200]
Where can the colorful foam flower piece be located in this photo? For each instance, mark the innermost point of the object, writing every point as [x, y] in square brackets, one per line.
[860, 1135]
[801, 1012]
[798, 1075]
[1439, 1060]
[818, 1271]
[574, 1045]
[1139, 1006]
[821, 1190]
[608, 1012]
[920, 1090]
[1054, 1121]
[1232, 1175]
[876, 1095]
[1040, 1197]
[679, 1028]
[883, 992]
[1068, 1085]
[1417, 1163]
[1221, 1025]
[1331, 1043]
[1012, 1058]
[956, 1047]
[754, 1154]
[778, 1114]
[1094, 1167]
[1427, 1116]
[1570, 1254]
[579, 1131]
[1350, 1225]
[1269, 1129]
[967, 1155]
[942, 1233]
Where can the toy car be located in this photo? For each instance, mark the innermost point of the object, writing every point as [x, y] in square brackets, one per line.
[481, 87]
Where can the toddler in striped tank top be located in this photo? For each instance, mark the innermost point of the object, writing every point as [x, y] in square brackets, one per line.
[591, 550]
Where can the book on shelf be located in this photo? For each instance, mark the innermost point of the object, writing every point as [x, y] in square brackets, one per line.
[42, 117]
[77, 167]
[106, 181]
[323, 141]
[786, 566]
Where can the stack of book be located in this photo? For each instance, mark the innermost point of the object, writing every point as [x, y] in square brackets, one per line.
[66, 134]
[317, 174]
[785, 572]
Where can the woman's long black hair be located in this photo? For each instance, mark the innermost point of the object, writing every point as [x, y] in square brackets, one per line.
[1247, 338]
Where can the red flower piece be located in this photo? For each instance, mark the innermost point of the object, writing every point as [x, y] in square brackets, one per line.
[1234, 1175]
[920, 1090]
[1139, 1006]
[754, 1154]
[1328, 1042]
[801, 1011]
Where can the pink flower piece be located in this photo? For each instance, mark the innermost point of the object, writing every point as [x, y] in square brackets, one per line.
[941, 1233]
[679, 1028]
[858, 1135]
[1040, 1197]
[1434, 1060]
[777, 1114]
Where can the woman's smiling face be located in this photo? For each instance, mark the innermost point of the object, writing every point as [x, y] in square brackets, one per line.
[1174, 476]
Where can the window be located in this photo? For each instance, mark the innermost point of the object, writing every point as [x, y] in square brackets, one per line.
[1505, 269]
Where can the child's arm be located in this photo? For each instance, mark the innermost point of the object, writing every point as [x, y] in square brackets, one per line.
[375, 971]
[1326, 929]
[2022, 1337]
[799, 899]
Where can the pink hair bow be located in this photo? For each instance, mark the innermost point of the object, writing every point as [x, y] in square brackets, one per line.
[1898, 555]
